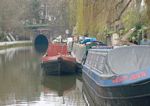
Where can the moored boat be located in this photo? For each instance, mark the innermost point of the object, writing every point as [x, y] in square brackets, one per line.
[80, 51]
[57, 60]
[118, 77]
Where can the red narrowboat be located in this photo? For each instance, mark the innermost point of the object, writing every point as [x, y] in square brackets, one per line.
[57, 60]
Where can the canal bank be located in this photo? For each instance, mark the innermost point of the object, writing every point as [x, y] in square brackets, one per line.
[4, 45]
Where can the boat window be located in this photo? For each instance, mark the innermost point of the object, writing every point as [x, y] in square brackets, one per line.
[88, 59]
[96, 60]
[101, 63]
[93, 60]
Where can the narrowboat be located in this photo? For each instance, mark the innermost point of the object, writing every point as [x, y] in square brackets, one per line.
[80, 51]
[57, 60]
[118, 77]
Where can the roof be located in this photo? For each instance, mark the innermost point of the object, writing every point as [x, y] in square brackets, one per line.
[129, 59]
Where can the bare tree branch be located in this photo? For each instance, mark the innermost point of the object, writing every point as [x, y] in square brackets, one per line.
[120, 2]
[122, 11]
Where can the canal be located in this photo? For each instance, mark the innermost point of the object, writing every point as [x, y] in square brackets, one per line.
[22, 82]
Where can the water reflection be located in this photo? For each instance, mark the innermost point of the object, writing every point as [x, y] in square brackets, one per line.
[19, 76]
[22, 82]
[65, 89]
[59, 84]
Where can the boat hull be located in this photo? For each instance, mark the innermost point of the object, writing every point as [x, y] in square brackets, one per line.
[59, 67]
[137, 94]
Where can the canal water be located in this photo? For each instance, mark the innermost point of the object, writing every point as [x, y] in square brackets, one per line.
[22, 82]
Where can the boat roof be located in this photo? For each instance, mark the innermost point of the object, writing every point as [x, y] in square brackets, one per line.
[100, 50]
[128, 59]
[57, 49]
[121, 60]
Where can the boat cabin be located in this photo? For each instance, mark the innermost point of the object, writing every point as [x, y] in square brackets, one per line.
[57, 49]
[123, 60]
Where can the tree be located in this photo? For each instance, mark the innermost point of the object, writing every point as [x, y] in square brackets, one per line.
[12, 13]
[97, 16]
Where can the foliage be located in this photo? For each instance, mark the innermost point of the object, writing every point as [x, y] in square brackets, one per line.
[2, 37]
[35, 6]
[12, 15]
[147, 2]
[97, 16]
[80, 17]
[130, 19]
